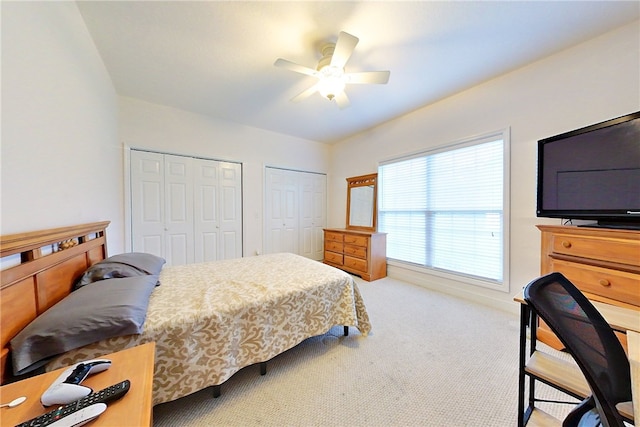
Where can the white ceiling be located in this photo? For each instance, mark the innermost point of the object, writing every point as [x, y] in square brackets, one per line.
[216, 57]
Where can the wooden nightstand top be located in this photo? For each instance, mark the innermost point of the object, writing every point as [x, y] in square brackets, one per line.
[134, 409]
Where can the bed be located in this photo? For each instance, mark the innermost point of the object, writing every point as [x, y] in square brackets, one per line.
[208, 320]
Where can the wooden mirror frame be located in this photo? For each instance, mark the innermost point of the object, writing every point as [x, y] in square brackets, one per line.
[362, 181]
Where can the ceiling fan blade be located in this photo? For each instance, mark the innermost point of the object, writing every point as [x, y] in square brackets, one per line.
[368, 77]
[344, 48]
[305, 94]
[342, 100]
[283, 63]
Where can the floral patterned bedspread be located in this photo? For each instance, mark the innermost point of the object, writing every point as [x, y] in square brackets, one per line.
[211, 319]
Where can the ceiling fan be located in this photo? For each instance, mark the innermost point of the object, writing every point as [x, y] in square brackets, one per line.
[330, 71]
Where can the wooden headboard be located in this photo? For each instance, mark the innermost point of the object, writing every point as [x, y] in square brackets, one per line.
[41, 269]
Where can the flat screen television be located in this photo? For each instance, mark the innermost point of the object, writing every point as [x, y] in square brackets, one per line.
[592, 173]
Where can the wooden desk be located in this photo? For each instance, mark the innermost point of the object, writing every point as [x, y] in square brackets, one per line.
[633, 341]
[133, 409]
[619, 318]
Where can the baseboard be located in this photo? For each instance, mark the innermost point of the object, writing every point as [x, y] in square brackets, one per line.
[495, 299]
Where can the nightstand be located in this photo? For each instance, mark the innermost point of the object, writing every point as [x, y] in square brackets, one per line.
[133, 409]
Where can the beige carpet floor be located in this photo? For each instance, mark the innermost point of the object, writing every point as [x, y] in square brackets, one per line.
[431, 360]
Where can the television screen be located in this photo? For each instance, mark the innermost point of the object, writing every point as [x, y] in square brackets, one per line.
[592, 172]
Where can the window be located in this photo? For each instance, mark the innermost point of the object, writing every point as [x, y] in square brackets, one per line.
[445, 209]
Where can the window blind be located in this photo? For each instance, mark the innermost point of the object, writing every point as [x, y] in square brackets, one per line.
[445, 209]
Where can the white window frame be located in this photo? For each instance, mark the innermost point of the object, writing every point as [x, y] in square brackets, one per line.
[503, 285]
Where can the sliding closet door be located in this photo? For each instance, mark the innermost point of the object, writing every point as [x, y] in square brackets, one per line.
[295, 212]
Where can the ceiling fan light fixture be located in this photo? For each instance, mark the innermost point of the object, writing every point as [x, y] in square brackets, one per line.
[330, 72]
[332, 81]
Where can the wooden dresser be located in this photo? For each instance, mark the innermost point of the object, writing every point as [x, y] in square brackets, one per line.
[603, 263]
[363, 253]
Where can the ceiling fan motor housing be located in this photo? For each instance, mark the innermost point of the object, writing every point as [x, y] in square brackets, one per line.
[327, 54]
[332, 79]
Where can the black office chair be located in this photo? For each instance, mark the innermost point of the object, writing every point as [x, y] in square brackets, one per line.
[591, 342]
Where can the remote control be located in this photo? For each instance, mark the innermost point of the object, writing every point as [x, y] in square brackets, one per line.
[66, 388]
[80, 417]
[78, 374]
[105, 395]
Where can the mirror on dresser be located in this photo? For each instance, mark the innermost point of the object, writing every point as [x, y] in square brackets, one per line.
[362, 195]
[359, 248]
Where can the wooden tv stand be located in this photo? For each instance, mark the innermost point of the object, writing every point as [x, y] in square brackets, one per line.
[603, 263]
[133, 409]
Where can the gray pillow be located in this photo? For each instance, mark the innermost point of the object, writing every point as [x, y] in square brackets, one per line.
[88, 315]
[146, 262]
[123, 265]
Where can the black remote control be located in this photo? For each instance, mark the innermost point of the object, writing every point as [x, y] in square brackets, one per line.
[105, 395]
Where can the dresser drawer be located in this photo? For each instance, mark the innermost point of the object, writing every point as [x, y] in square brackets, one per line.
[355, 263]
[613, 250]
[333, 236]
[355, 240]
[333, 257]
[617, 285]
[359, 252]
[355, 251]
[331, 245]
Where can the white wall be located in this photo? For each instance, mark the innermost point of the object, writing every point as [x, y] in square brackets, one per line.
[589, 83]
[61, 160]
[63, 128]
[169, 130]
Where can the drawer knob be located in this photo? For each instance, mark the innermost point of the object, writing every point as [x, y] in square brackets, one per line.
[605, 282]
[566, 244]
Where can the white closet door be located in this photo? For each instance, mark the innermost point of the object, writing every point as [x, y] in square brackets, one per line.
[312, 214]
[185, 209]
[295, 212]
[179, 210]
[319, 215]
[313, 189]
[147, 202]
[281, 211]
[231, 210]
[217, 210]
[206, 219]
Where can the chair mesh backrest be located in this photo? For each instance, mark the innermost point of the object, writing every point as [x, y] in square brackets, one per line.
[587, 337]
